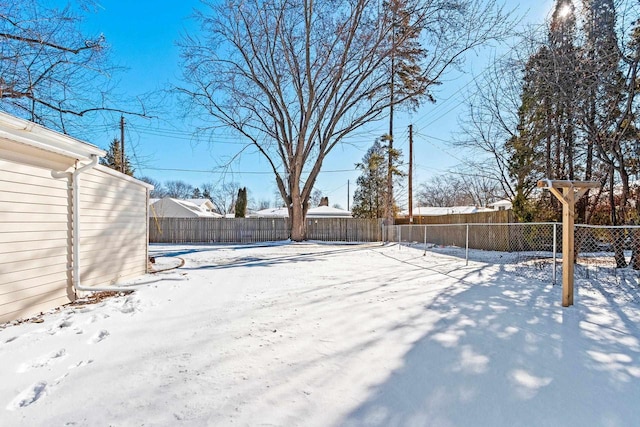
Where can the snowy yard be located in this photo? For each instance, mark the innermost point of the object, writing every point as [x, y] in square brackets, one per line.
[328, 335]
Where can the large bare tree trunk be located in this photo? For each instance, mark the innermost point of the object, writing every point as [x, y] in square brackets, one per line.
[297, 211]
[297, 214]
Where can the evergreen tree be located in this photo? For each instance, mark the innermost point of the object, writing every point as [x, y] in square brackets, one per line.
[546, 143]
[197, 194]
[241, 203]
[113, 158]
[602, 98]
[408, 82]
[369, 199]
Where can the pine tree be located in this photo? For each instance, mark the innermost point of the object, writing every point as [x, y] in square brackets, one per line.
[546, 143]
[603, 96]
[241, 203]
[113, 159]
[408, 83]
[370, 197]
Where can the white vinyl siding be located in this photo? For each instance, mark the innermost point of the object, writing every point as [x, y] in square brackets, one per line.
[36, 230]
[113, 228]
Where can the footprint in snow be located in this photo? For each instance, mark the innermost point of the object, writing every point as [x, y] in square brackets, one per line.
[28, 396]
[34, 393]
[98, 336]
[130, 306]
[43, 361]
[94, 318]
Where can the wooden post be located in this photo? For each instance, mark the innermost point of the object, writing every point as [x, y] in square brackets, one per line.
[571, 191]
[568, 246]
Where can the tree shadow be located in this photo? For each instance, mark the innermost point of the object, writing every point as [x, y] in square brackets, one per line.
[505, 353]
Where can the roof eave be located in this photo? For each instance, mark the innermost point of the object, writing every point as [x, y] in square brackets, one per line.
[31, 134]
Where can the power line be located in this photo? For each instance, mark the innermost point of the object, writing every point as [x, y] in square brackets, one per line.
[212, 171]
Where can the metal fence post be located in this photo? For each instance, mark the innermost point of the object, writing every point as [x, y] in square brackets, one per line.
[466, 255]
[425, 241]
[555, 226]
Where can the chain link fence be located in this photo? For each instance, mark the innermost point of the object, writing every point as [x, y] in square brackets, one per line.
[602, 253]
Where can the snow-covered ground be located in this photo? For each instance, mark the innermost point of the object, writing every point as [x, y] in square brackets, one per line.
[328, 335]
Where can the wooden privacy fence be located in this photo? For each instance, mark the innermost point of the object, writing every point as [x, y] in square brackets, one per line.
[251, 230]
[494, 217]
[344, 229]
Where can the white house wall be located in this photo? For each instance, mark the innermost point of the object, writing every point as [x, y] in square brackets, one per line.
[36, 230]
[113, 228]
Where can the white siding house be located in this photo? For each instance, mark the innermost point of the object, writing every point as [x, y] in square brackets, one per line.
[49, 250]
[317, 212]
[177, 208]
[204, 204]
[449, 210]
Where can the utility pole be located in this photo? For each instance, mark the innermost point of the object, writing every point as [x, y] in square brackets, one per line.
[410, 174]
[348, 195]
[389, 137]
[122, 169]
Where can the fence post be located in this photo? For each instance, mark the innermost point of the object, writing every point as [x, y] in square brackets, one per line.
[555, 227]
[399, 231]
[466, 255]
[425, 241]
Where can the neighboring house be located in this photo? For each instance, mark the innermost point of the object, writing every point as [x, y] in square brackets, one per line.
[501, 205]
[67, 224]
[328, 212]
[448, 210]
[204, 204]
[318, 212]
[271, 213]
[177, 208]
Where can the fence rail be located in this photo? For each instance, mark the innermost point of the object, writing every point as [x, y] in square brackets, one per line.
[595, 246]
[252, 230]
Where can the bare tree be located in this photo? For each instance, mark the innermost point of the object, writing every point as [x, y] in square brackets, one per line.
[298, 76]
[158, 191]
[480, 189]
[257, 205]
[50, 71]
[178, 189]
[224, 197]
[316, 196]
[443, 191]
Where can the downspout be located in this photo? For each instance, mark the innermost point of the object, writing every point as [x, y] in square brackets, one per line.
[75, 189]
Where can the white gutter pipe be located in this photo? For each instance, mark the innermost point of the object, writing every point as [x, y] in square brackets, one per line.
[75, 189]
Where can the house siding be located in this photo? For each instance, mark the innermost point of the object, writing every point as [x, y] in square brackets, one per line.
[36, 230]
[113, 228]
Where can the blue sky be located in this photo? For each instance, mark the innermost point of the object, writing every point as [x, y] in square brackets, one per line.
[143, 37]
